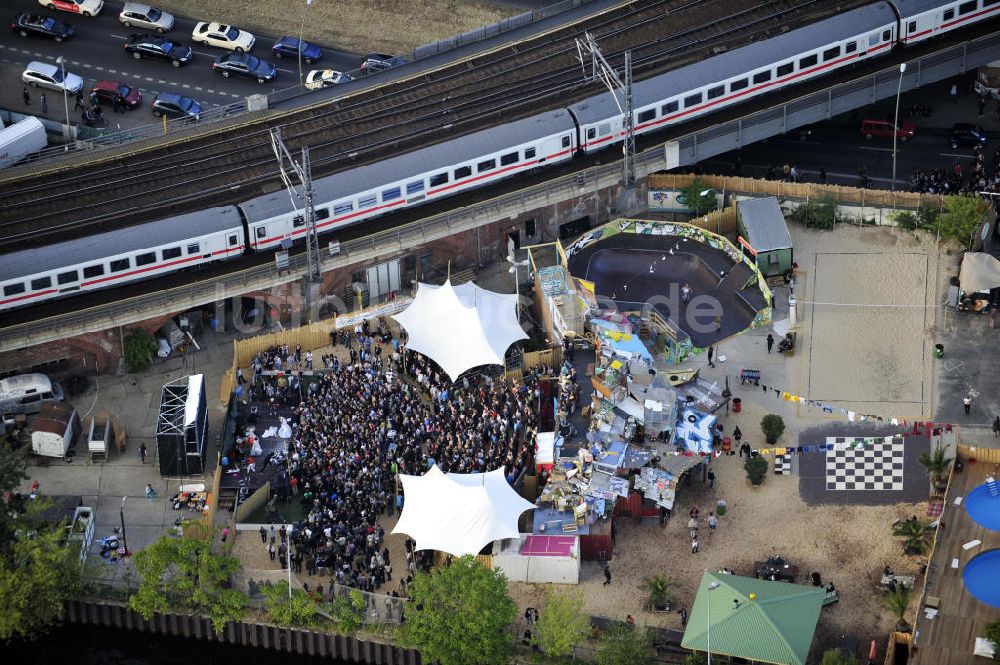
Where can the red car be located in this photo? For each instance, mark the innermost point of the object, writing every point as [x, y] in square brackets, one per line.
[106, 92]
[885, 129]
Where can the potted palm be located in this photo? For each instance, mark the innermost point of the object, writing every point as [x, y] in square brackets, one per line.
[936, 463]
[913, 533]
[773, 427]
[897, 602]
[660, 590]
[756, 468]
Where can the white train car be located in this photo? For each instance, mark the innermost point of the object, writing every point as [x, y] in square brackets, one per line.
[741, 74]
[426, 174]
[117, 257]
[923, 19]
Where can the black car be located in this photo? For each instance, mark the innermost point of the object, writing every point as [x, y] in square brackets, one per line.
[40, 25]
[966, 135]
[157, 47]
[176, 106]
[245, 65]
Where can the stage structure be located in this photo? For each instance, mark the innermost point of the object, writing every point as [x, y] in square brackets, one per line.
[182, 427]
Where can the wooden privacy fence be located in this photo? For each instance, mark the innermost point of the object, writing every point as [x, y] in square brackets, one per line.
[721, 222]
[208, 519]
[979, 453]
[309, 337]
[796, 190]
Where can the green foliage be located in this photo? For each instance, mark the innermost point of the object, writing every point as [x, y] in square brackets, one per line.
[625, 645]
[937, 463]
[39, 569]
[837, 657]
[696, 658]
[561, 624]
[905, 219]
[924, 218]
[821, 212]
[897, 602]
[773, 427]
[692, 198]
[297, 610]
[185, 574]
[993, 634]
[913, 532]
[139, 349]
[659, 589]
[756, 468]
[961, 217]
[348, 611]
[460, 614]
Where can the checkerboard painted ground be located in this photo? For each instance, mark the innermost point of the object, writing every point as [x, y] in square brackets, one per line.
[874, 467]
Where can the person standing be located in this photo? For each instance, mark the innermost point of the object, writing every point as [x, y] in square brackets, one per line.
[45, 103]
[27, 97]
[967, 403]
[996, 426]
[142, 452]
[693, 527]
[711, 483]
[737, 434]
[684, 616]
[694, 546]
[685, 293]
[270, 550]
[981, 104]
[263, 536]
[225, 533]
[770, 342]
[711, 352]
[953, 93]
[79, 101]
[713, 522]
[607, 575]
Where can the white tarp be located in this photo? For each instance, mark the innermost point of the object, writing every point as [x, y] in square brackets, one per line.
[461, 327]
[980, 272]
[459, 513]
[546, 442]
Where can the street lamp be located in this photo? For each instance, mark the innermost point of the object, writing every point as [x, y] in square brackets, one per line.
[122, 514]
[708, 605]
[302, 28]
[895, 129]
[514, 265]
[62, 65]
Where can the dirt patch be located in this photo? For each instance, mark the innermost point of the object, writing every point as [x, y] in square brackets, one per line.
[359, 26]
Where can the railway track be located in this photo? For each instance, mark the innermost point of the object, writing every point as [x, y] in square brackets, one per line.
[515, 81]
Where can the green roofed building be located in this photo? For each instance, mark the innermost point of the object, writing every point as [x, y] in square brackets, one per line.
[759, 620]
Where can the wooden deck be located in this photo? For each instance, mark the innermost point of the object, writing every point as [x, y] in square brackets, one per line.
[950, 637]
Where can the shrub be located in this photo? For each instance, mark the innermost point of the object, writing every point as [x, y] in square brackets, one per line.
[821, 212]
[139, 349]
[756, 468]
[773, 427]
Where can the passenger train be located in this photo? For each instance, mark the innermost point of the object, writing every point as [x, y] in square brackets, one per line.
[155, 248]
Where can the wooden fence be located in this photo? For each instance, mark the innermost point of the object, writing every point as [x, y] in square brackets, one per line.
[796, 190]
[979, 453]
[721, 222]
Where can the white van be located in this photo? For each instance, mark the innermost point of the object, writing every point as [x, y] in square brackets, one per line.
[26, 393]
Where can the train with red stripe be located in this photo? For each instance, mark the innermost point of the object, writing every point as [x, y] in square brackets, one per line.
[351, 196]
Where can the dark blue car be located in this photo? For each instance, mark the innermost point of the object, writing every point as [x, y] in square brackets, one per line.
[246, 66]
[289, 46]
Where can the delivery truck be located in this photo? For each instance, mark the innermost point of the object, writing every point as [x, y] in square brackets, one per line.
[20, 140]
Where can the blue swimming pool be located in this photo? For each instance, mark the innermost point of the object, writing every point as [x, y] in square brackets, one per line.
[982, 577]
[983, 508]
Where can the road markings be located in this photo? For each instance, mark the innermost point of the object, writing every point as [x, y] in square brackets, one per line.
[951, 154]
[865, 147]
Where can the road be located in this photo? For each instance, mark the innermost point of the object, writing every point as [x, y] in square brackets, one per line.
[96, 52]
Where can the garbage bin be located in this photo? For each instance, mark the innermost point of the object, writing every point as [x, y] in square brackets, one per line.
[939, 350]
[737, 405]
[727, 444]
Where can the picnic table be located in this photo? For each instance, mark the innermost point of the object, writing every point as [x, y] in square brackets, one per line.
[770, 570]
[750, 376]
[901, 580]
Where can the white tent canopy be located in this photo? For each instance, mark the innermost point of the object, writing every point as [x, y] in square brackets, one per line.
[461, 327]
[459, 513]
[980, 272]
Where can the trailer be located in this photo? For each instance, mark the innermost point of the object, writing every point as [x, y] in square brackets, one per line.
[98, 436]
[20, 140]
[54, 430]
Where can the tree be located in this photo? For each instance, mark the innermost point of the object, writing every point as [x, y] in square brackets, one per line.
[773, 427]
[937, 464]
[659, 589]
[460, 614]
[296, 610]
[821, 212]
[39, 567]
[139, 349]
[756, 468]
[692, 198]
[696, 658]
[185, 574]
[348, 611]
[914, 534]
[561, 624]
[837, 657]
[897, 601]
[993, 634]
[623, 644]
[961, 217]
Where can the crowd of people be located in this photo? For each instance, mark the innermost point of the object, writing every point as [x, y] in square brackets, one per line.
[359, 421]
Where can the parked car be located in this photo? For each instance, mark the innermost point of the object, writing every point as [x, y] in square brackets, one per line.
[885, 129]
[378, 62]
[289, 46]
[223, 36]
[106, 92]
[138, 15]
[324, 78]
[159, 48]
[40, 25]
[47, 75]
[176, 106]
[245, 66]
[85, 7]
[26, 393]
[965, 134]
